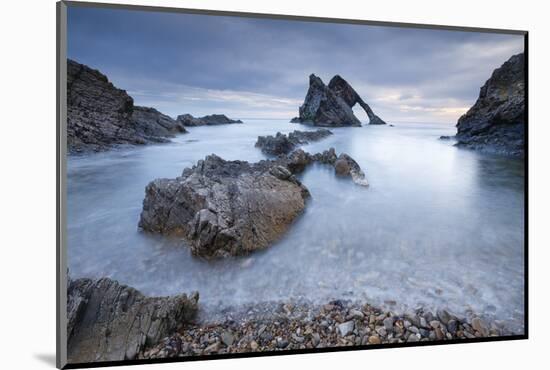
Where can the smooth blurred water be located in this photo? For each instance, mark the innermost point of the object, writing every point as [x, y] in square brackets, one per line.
[438, 227]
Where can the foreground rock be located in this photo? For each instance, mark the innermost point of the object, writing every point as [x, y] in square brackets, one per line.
[290, 326]
[225, 207]
[496, 122]
[108, 321]
[230, 208]
[100, 116]
[210, 120]
[284, 144]
[331, 105]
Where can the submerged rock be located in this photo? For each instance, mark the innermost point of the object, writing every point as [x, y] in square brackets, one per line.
[100, 116]
[210, 120]
[108, 321]
[332, 105]
[496, 122]
[230, 208]
[284, 144]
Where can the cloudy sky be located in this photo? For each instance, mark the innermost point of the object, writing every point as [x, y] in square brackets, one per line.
[259, 68]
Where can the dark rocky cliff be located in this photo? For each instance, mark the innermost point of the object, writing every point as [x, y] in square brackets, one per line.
[496, 122]
[99, 115]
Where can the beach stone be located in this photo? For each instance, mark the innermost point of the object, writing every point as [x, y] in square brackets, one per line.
[452, 326]
[413, 329]
[444, 316]
[374, 339]
[423, 322]
[316, 339]
[227, 338]
[282, 343]
[480, 326]
[346, 328]
[388, 323]
[356, 314]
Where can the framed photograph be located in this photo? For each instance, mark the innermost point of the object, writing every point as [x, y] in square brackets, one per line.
[234, 184]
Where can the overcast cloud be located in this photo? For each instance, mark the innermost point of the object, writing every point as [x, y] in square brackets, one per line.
[259, 68]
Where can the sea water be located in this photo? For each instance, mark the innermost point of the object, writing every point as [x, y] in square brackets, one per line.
[439, 226]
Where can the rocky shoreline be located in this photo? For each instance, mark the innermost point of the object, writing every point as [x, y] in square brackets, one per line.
[101, 117]
[304, 325]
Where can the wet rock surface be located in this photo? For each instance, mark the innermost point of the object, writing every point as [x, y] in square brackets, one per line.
[284, 144]
[331, 105]
[209, 120]
[101, 116]
[153, 123]
[108, 321]
[496, 122]
[230, 208]
[304, 325]
[225, 208]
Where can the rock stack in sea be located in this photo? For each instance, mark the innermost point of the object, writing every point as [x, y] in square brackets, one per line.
[331, 105]
[496, 122]
[100, 116]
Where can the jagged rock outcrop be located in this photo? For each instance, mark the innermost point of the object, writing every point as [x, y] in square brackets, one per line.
[496, 122]
[100, 116]
[344, 90]
[331, 105]
[229, 208]
[154, 124]
[108, 321]
[284, 144]
[225, 207]
[210, 120]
